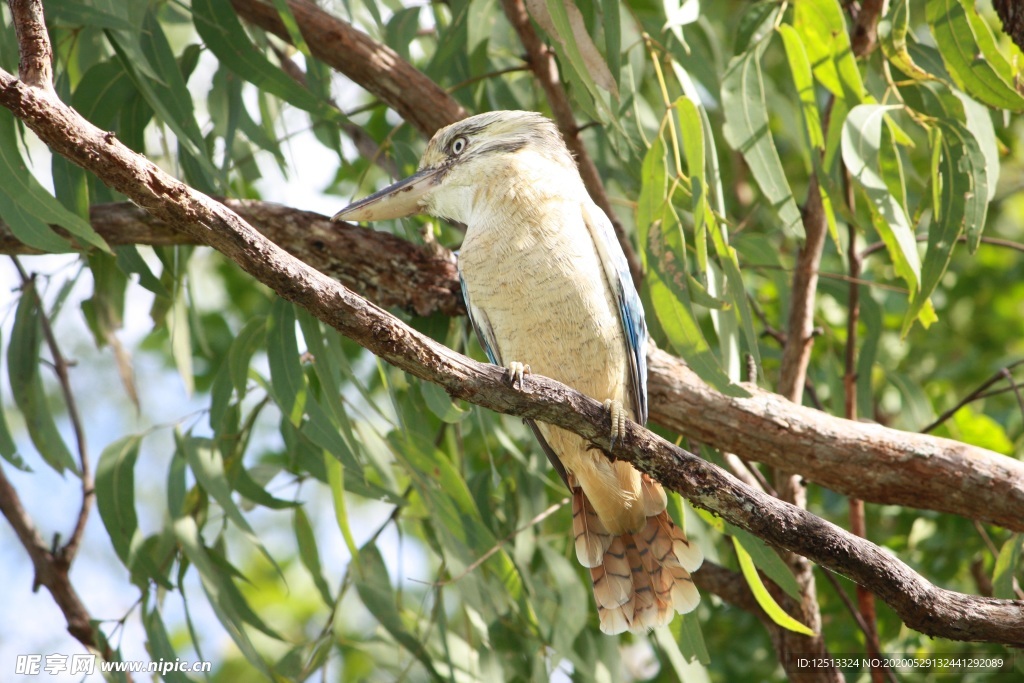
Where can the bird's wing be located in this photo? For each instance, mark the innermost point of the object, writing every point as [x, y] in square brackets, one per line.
[631, 312]
[482, 326]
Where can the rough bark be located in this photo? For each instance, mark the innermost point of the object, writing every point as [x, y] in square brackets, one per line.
[859, 459]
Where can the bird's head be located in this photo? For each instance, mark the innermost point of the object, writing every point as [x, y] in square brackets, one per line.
[469, 161]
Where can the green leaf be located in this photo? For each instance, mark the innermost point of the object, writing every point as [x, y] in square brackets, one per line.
[748, 131]
[862, 147]
[115, 494]
[180, 333]
[8, 448]
[147, 59]
[892, 35]
[218, 25]
[441, 404]
[651, 202]
[310, 554]
[687, 631]
[77, 13]
[763, 597]
[28, 208]
[971, 55]
[570, 30]
[374, 587]
[286, 379]
[822, 27]
[232, 609]
[800, 70]
[336, 482]
[158, 643]
[664, 256]
[207, 465]
[691, 129]
[27, 384]
[961, 207]
[1006, 565]
[244, 345]
[767, 560]
[979, 429]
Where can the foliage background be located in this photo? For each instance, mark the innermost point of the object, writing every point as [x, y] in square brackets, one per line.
[263, 452]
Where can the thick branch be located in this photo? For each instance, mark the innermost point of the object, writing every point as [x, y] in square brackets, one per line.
[387, 269]
[372, 65]
[867, 461]
[857, 459]
[921, 605]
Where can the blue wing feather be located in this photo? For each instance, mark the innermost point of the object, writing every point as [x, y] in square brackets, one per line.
[631, 311]
[482, 326]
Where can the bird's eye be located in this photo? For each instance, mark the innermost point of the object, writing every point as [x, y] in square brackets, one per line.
[459, 145]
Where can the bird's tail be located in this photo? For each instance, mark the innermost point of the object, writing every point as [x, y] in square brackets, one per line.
[640, 579]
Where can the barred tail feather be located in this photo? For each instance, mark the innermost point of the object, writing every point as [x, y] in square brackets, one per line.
[641, 579]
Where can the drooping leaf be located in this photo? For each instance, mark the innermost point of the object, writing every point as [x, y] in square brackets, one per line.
[822, 26]
[218, 25]
[761, 594]
[748, 131]
[766, 560]
[1007, 563]
[23, 367]
[286, 380]
[971, 55]
[892, 36]
[862, 147]
[28, 208]
[232, 609]
[374, 587]
[115, 494]
[309, 553]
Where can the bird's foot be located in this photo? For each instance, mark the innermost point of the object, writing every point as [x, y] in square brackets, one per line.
[517, 373]
[617, 416]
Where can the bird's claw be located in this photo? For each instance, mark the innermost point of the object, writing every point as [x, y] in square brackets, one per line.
[517, 373]
[617, 416]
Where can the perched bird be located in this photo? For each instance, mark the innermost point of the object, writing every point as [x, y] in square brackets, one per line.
[548, 291]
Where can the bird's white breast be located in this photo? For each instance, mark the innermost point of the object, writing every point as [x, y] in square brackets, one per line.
[530, 264]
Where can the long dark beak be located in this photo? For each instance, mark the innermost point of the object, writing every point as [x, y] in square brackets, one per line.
[402, 199]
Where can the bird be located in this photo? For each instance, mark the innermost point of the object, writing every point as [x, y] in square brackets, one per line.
[548, 291]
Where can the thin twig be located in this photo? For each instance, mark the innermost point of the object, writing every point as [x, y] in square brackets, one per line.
[1002, 373]
[992, 241]
[861, 624]
[60, 367]
[858, 521]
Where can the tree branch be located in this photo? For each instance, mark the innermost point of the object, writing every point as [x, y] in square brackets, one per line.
[389, 270]
[923, 606]
[1011, 13]
[51, 570]
[868, 461]
[864, 35]
[374, 66]
[36, 66]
